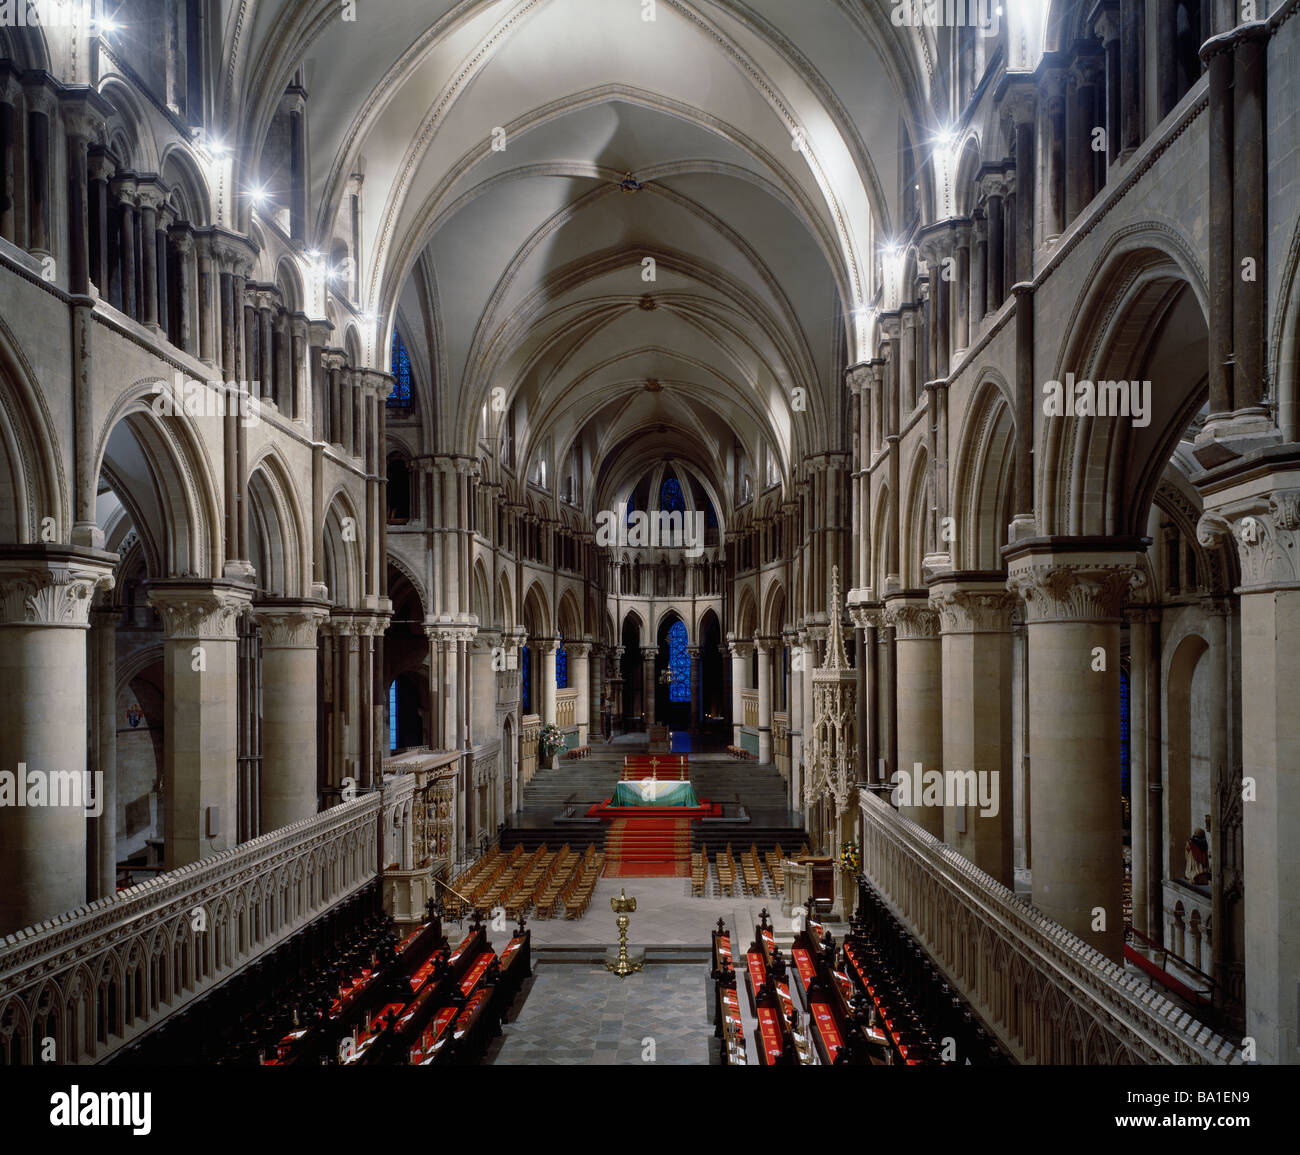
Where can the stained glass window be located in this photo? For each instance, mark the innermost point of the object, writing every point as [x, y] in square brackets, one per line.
[526, 679]
[670, 496]
[392, 716]
[561, 669]
[679, 661]
[710, 516]
[631, 507]
[401, 395]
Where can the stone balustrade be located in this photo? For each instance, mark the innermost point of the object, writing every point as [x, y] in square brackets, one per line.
[1048, 996]
[78, 987]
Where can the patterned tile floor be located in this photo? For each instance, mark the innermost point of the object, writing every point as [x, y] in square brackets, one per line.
[578, 1014]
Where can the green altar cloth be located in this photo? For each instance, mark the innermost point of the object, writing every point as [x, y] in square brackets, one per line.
[654, 792]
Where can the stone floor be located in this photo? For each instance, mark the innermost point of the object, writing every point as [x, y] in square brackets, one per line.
[576, 1014]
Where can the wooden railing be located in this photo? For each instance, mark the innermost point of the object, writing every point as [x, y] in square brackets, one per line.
[1049, 996]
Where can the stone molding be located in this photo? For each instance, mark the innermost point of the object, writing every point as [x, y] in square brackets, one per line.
[970, 608]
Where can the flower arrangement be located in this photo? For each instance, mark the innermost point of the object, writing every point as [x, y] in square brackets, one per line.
[550, 740]
[850, 856]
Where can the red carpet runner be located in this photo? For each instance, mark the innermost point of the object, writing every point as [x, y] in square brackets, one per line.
[648, 848]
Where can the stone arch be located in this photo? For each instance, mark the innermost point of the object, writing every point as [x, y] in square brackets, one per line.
[189, 188]
[537, 612]
[342, 551]
[915, 543]
[984, 476]
[1185, 755]
[32, 485]
[1143, 304]
[569, 619]
[159, 470]
[774, 609]
[746, 613]
[481, 595]
[281, 553]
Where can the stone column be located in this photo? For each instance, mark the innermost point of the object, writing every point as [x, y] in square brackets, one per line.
[740, 652]
[548, 646]
[580, 673]
[649, 687]
[300, 369]
[10, 133]
[1021, 107]
[918, 674]
[996, 293]
[1132, 17]
[41, 106]
[124, 193]
[100, 166]
[1073, 602]
[208, 282]
[288, 788]
[45, 601]
[437, 675]
[150, 199]
[977, 304]
[975, 625]
[961, 290]
[265, 364]
[1138, 775]
[201, 714]
[1258, 503]
[697, 692]
[1249, 180]
[82, 117]
[182, 239]
[101, 833]
[766, 646]
[1081, 168]
[1051, 121]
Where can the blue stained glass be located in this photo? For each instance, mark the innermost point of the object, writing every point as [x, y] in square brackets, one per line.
[392, 716]
[526, 679]
[561, 670]
[401, 360]
[710, 517]
[670, 496]
[631, 507]
[679, 661]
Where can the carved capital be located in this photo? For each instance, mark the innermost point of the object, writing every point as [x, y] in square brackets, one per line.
[973, 609]
[1072, 588]
[911, 618]
[200, 611]
[290, 625]
[1265, 529]
[52, 587]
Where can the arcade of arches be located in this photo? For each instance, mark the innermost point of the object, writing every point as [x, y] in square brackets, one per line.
[545, 363]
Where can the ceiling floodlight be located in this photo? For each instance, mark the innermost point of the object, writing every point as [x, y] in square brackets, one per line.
[257, 196]
[946, 139]
[107, 25]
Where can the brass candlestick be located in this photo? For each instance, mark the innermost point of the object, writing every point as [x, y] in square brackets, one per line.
[623, 906]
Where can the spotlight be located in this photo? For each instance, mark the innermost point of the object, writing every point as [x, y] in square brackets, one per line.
[257, 196]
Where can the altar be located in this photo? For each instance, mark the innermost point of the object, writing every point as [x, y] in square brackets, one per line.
[654, 792]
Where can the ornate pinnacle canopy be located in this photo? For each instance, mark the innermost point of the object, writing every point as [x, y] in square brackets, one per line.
[836, 658]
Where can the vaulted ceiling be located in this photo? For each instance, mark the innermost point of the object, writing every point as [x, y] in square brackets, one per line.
[567, 199]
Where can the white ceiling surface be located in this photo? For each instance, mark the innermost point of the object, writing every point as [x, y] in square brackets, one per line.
[765, 252]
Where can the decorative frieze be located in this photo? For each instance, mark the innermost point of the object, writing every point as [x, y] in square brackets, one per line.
[1073, 587]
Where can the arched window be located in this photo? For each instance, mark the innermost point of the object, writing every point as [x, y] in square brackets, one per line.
[401, 361]
[670, 496]
[561, 669]
[679, 661]
[631, 506]
[526, 680]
